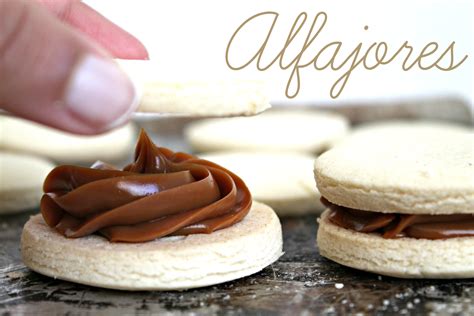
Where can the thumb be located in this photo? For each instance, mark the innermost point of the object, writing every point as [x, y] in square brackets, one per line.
[55, 76]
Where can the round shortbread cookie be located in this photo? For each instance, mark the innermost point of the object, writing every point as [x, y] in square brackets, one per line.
[162, 92]
[401, 167]
[403, 258]
[21, 181]
[281, 180]
[170, 263]
[279, 130]
[24, 136]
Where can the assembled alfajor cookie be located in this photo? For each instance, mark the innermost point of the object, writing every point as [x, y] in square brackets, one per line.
[167, 221]
[400, 201]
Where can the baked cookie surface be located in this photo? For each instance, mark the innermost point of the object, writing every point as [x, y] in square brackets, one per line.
[170, 263]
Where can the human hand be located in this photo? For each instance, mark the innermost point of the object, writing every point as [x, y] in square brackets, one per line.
[56, 67]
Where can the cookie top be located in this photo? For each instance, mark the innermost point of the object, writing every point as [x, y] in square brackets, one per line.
[277, 130]
[401, 167]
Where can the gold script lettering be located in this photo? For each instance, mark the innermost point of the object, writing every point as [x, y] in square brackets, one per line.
[358, 56]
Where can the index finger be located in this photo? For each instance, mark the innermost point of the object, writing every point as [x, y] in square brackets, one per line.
[118, 42]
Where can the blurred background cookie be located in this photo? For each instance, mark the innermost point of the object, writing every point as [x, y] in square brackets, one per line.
[401, 129]
[19, 135]
[289, 130]
[21, 181]
[281, 180]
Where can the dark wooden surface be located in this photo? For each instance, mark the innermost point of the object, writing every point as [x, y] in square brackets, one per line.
[300, 283]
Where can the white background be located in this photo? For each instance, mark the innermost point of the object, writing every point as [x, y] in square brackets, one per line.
[189, 38]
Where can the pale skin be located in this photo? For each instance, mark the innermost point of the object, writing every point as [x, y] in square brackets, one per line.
[42, 45]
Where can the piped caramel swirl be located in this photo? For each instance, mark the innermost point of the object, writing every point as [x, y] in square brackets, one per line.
[393, 225]
[161, 193]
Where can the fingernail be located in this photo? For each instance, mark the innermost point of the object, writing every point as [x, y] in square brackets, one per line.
[100, 93]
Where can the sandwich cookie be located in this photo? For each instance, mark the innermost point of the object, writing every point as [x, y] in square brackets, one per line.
[281, 180]
[400, 201]
[161, 92]
[24, 136]
[278, 130]
[21, 181]
[167, 221]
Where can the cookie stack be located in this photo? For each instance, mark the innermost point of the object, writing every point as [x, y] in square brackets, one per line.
[400, 200]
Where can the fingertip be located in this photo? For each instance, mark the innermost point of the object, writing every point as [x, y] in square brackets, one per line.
[131, 48]
[100, 93]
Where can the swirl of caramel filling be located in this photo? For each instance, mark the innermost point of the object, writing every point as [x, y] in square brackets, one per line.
[161, 193]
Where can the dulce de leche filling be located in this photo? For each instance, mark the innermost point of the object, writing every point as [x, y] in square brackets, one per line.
[161, 193]
[393, 225]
